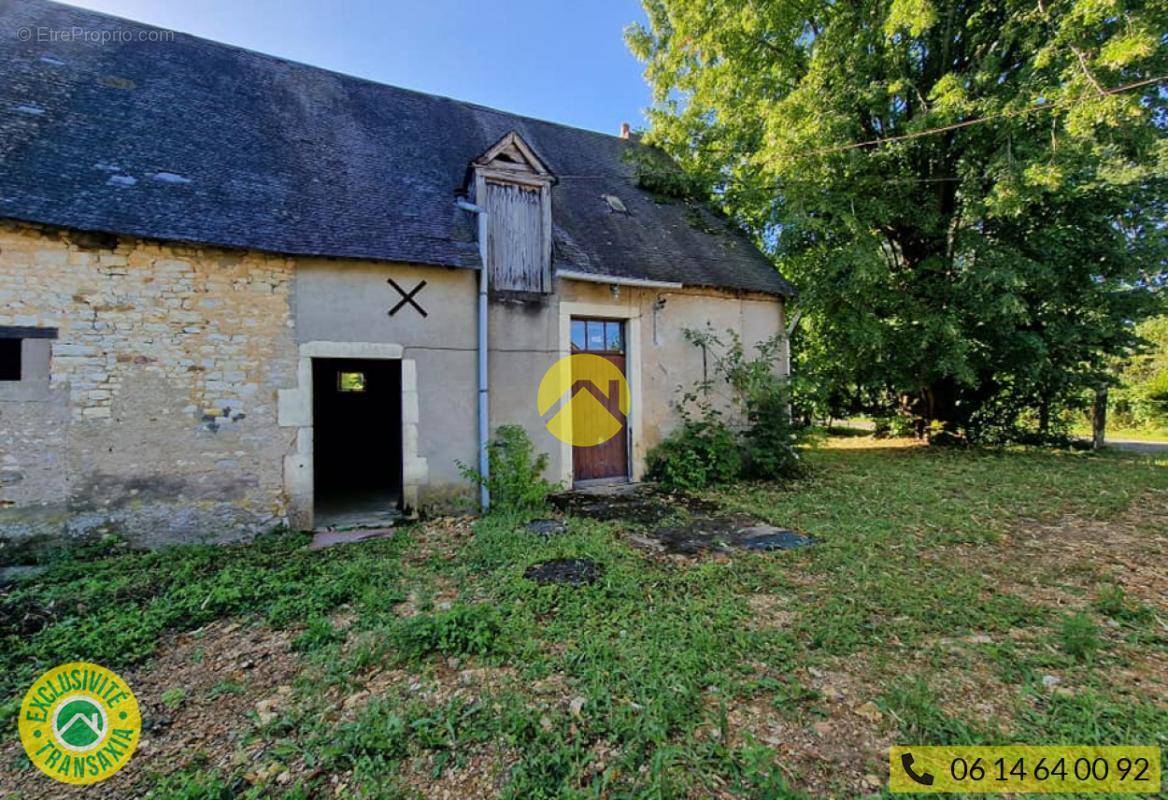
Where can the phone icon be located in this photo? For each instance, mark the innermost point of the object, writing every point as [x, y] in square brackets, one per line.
[906, 760]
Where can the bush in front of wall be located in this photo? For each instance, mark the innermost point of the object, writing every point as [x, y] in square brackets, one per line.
[699, 454]
[705, 451]
[769, 442]
[516, 482]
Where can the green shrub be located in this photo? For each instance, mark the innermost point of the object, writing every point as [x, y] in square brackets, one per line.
[893, 423]
[516, 483]
[462, 630]
[1141, 399]
[1079, 636]
[699, 454]
[770, 439]
[705, 451]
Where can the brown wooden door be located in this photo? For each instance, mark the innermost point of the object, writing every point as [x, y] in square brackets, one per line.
[605, 338]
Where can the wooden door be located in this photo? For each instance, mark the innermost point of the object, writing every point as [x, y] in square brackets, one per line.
[605, 338]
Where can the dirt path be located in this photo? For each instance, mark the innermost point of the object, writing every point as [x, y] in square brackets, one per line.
[1137, 446]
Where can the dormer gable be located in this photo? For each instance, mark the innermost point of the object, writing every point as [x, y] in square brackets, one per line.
[513, 185]
[512, 158]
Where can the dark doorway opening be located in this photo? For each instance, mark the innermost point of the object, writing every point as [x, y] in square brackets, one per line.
[357, 442]
[10, 359]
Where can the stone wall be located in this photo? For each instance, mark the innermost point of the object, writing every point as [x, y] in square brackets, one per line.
[157, 419]
[174, 405]
[661, 363]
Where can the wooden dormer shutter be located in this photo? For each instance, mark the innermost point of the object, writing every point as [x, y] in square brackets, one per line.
[515, 249]
[514, 188]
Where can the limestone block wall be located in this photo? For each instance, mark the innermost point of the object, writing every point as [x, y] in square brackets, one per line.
[174, 402]
[156, 418]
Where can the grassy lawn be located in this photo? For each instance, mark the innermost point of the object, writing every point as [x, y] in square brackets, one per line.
[953, 597]
[1081, 430]
[1148, 434]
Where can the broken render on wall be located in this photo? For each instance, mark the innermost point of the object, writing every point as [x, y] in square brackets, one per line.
[202, 340]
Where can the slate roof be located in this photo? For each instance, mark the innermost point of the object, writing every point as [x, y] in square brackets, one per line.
[195, 141]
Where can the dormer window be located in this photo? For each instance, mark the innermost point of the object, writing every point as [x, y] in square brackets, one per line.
[513, 186]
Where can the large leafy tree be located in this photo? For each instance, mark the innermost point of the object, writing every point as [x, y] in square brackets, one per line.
[1142, 399]
[969, 194]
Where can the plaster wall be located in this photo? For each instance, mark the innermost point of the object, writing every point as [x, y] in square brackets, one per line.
[172, 404]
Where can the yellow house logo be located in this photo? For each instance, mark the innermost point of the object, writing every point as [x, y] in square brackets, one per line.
[79, 723]
[592, 389]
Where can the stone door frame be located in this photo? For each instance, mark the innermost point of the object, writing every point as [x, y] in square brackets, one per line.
[629, 312]
[295, 411]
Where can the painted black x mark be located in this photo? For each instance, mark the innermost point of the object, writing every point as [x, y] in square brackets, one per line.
[407, 297]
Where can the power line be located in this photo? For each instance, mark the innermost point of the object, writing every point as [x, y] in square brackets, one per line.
[978, 120]
[933, 131]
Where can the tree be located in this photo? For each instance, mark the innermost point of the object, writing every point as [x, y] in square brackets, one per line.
[1142, 400]
[969, 194]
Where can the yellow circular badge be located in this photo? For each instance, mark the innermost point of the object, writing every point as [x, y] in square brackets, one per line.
[79, 723]
[595, 398]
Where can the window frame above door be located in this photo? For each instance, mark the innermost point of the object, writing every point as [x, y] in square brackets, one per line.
[608, 325]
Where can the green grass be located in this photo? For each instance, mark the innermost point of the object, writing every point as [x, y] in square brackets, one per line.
[1152, 433]
[651, 663]
[112, 610]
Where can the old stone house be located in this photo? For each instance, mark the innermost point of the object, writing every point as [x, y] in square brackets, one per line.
[238, 292]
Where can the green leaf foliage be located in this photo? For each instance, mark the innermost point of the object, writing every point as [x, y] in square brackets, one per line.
[516, 483]
[1142, 397]
[969, 194]
[706, 450]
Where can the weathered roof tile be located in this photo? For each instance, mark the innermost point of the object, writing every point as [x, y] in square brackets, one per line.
[196, 141]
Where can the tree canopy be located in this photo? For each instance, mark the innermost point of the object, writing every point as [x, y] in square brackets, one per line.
[968, 194]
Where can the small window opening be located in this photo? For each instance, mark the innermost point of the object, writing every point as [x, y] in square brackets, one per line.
[597, 336]
[10, 359]
[351, 381]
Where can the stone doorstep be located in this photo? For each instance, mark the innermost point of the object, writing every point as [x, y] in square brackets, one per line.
[329, 538]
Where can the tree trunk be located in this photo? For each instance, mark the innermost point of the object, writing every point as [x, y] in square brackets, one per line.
[916, 407]
[1099, 418]
[942, 399]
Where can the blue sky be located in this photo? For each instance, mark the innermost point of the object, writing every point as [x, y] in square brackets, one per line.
[561, 60]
